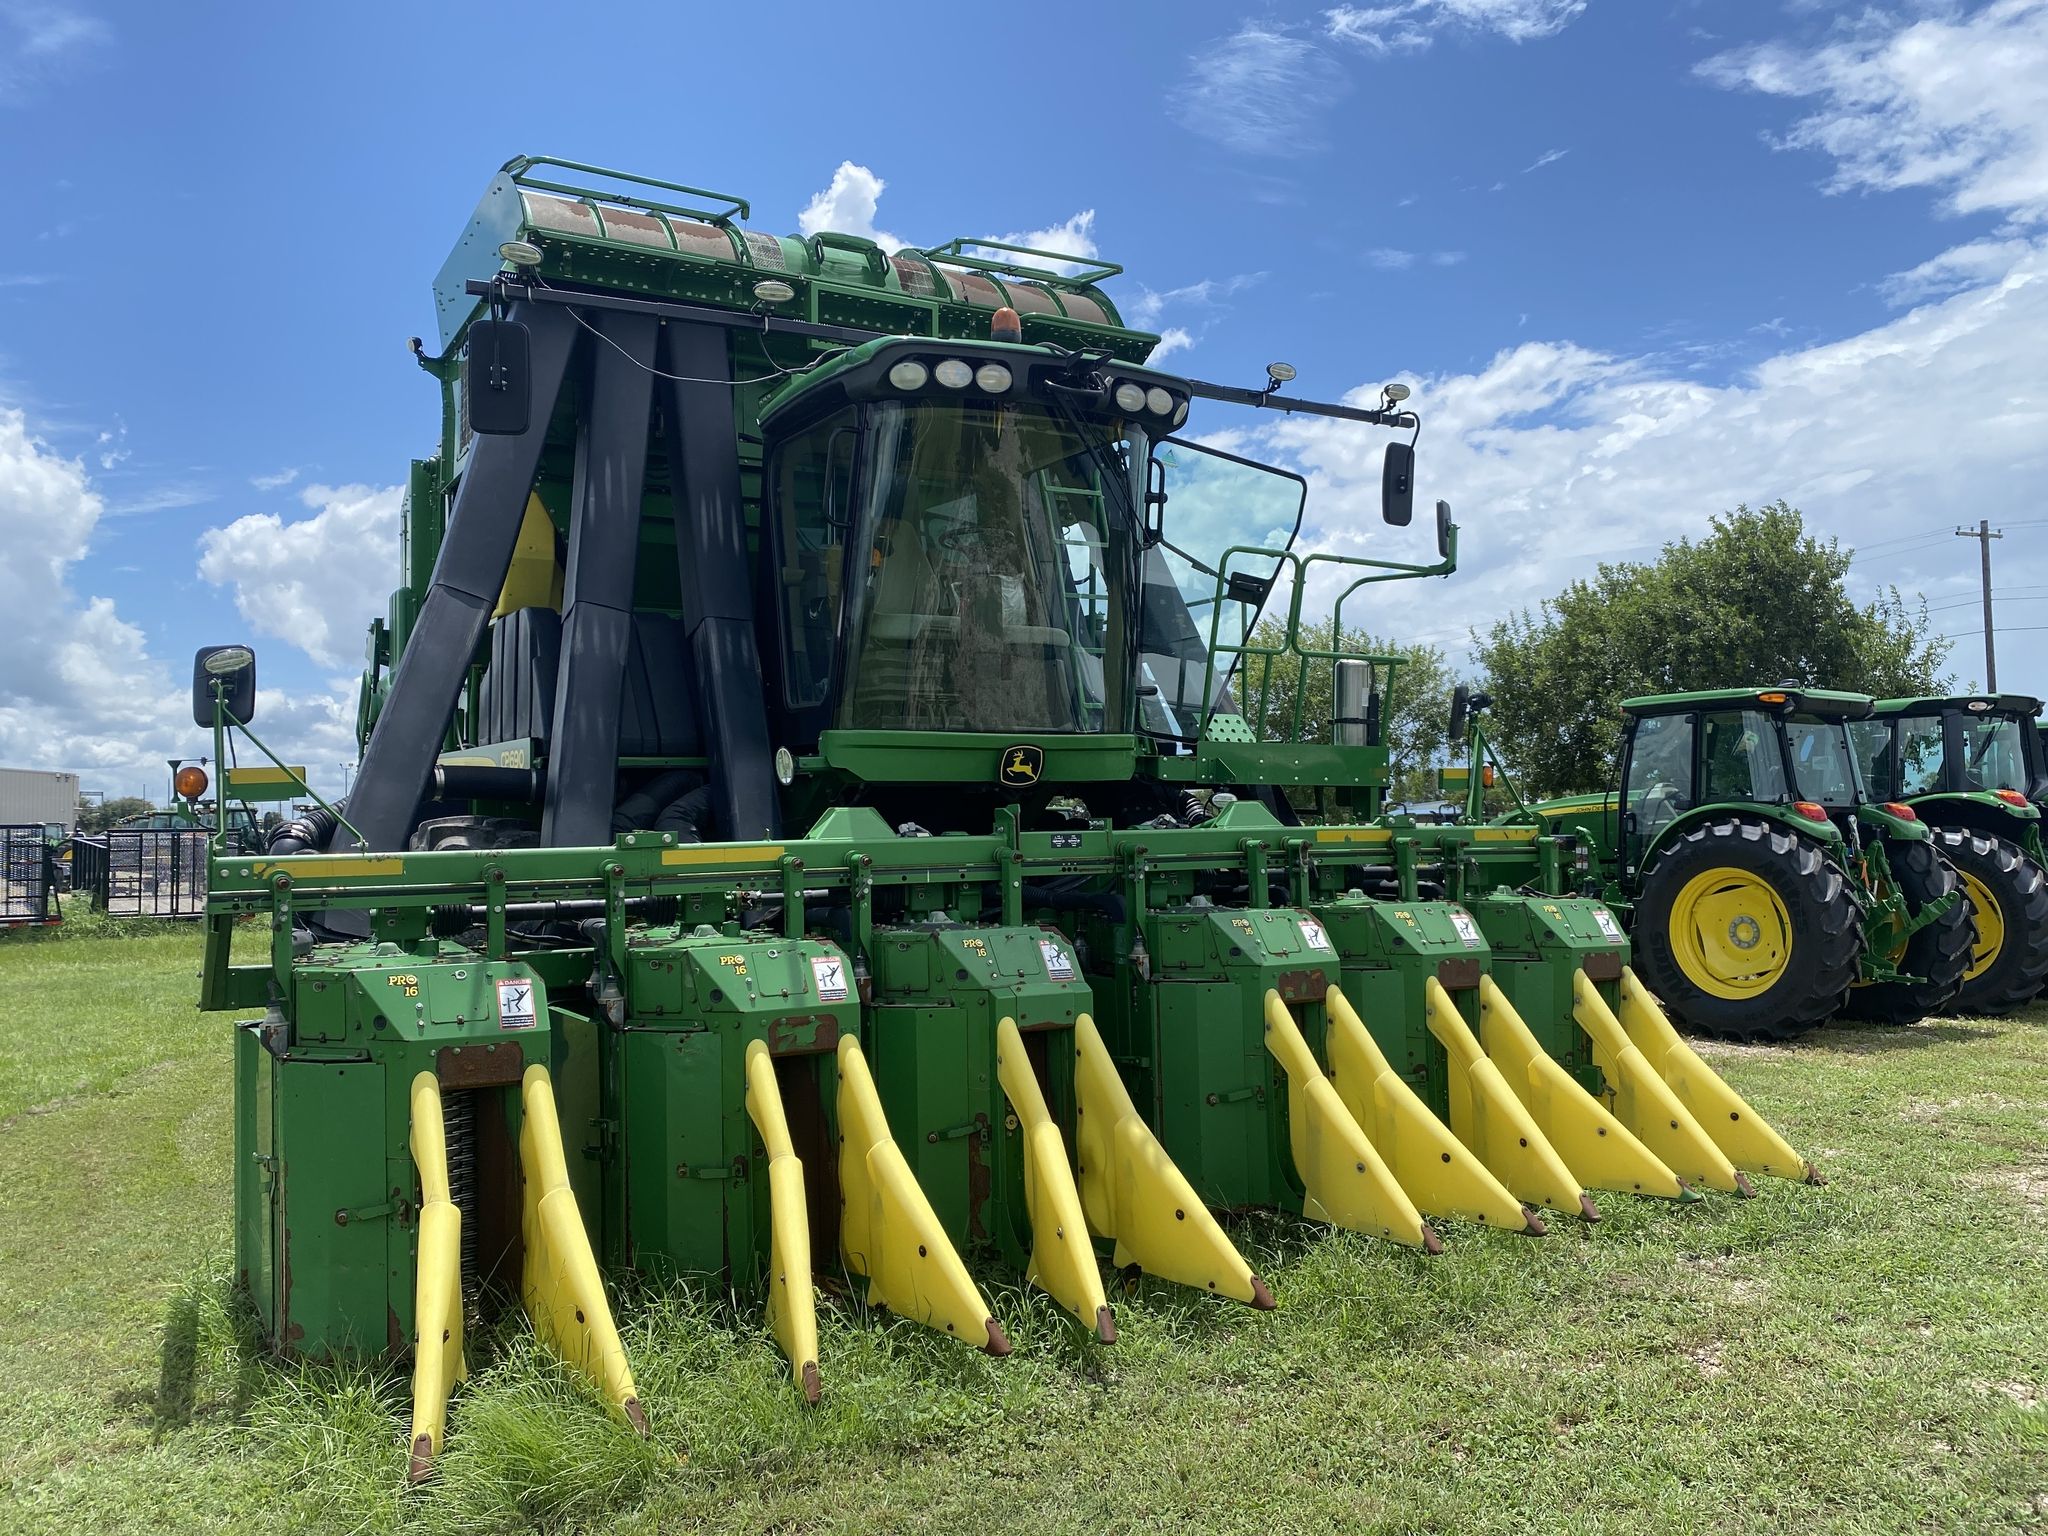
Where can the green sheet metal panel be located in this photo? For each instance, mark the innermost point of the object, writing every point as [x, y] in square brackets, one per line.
[330, 1277]
[1539, 944]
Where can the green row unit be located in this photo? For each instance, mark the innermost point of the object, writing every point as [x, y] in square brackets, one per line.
[326, 1192]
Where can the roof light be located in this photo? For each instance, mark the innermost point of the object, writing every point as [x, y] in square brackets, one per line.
[1181, 413]
[1978, 705]
[190, 781]
[1901, 810]
[773, 290]
[1770, 698]
[1278, 374]
[228, 660]
[1811, 810]
[954, 374]
[2011, 797]
[520, 253]
[909, 374]
[1396, 393]
[1158, 401]
[1129, 397]
[992, 378]
[1004, 325]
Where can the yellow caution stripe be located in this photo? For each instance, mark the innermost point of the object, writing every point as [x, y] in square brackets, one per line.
[1062, 1257]
[792, 1294]
[559, 1282]
[1132, 1193]
[888, 1231]
[1488, 1117]
[1347, 1183]
[1644, 1102]
[437, 1362]
[1439, 1172]
[1739, 1131]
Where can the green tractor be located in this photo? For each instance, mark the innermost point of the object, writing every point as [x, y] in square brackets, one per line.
[1973, 768]
[1765, 889]
[827, 809]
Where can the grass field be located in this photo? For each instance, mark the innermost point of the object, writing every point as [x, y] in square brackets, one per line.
[1870, 1356]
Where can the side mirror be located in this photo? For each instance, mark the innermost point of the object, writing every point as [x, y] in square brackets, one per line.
[1461, 714]
[1397, 485]
[233, 667]
[1444, 528]
[497, 377]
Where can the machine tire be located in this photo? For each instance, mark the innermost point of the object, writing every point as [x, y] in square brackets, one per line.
[1822, 937]
[2009, 959]
[1938, 953]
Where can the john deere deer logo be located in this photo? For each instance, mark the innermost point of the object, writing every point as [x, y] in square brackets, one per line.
[1021, 765]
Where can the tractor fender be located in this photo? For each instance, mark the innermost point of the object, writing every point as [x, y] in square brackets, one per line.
[1825, 833]
[1908, 828]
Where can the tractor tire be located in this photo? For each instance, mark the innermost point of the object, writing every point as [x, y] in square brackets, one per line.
[1938, 954]
[1747, 931]
[2008, 895]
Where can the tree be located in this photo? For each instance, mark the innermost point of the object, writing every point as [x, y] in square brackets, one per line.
[1421, 691]
[1756, 601]
[97, 816]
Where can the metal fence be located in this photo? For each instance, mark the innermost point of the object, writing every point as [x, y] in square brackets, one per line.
[143, 872]
[28, 876]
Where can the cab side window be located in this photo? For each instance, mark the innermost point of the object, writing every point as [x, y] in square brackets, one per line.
[1660, 785]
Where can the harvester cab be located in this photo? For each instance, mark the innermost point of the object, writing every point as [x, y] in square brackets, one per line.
[1972, 768]
[832, 804]
[1766, 887]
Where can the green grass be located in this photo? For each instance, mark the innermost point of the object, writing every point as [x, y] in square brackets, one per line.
[1871, 1356]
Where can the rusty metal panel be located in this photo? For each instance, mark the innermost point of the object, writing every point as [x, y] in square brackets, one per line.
[1080, 307]
[1030, 299]
[561, 215]
[973, 288]
[629, 227]
[706, 240]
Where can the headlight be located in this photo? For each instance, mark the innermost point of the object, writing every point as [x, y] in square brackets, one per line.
[954, 374]
[1158, 401]
[909, 374]
[1129, 397]
[1180, 413]
[992, 378]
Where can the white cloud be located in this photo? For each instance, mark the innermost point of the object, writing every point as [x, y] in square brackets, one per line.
[1173, 339]
[1406, 25]
[276, 482]
[1555, 456]
[1258, 92]
[848, 205]
[1548, 157]
[1389, 260]
[1956, 102]
[315, 582]
[78, 689]
[1446, 258]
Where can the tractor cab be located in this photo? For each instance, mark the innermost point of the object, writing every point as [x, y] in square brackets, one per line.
[1779, 747]
[1973, 745]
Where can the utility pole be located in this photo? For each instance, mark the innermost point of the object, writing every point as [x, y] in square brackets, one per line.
[1983, 533]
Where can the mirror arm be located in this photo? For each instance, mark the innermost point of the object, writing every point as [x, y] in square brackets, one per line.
[1230, 395]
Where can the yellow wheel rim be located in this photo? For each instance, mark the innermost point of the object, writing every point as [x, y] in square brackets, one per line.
[1730, 934]
[1990, 926]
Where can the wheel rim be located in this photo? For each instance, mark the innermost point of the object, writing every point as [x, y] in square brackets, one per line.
[1731, 934]
[1990, 926]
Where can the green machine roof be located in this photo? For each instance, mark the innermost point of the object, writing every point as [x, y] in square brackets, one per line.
[1825, 702]
[2025, 705]
[687, 245]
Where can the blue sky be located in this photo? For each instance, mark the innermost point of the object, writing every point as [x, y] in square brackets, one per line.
[1639, 261]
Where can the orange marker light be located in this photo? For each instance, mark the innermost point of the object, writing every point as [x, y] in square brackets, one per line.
[1004, 325]
[1770, 698]
[1810, 810]
[1902, 811]
[2011, 796]
[190, 782]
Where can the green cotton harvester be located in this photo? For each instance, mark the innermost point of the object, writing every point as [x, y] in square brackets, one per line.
[828, 811]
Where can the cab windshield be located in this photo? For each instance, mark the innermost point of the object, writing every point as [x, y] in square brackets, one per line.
[1823, 767]
[1994, 753]
[994, 567]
